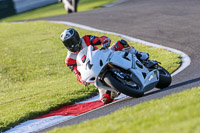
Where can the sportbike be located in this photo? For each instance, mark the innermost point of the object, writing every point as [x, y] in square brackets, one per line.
[121, 71]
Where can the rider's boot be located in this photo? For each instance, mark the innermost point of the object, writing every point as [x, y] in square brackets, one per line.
[106, 99]
[109, 96]
[142, 56]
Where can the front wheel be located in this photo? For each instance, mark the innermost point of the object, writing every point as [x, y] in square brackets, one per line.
[164, 78]
[121, 87]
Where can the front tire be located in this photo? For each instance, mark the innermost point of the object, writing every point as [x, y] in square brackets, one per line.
[164, 78]
[119, 86]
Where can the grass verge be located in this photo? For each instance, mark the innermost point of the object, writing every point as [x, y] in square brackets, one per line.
[33, 75]
[56, 9]
[178, 113]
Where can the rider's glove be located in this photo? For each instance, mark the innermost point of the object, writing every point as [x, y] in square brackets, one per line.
[106, 42]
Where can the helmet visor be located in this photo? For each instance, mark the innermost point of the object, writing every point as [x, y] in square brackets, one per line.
[73, 45]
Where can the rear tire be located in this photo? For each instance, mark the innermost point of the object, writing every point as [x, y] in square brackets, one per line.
[164, 78]
[119, 86]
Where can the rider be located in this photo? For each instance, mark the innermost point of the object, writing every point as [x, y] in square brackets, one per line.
[74, 44]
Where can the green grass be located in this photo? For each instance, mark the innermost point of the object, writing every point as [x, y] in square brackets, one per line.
[178, 113]
[56, 9]
[33, 75]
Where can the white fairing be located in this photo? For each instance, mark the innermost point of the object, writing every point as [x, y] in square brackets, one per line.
[94, 58]
[90, 64]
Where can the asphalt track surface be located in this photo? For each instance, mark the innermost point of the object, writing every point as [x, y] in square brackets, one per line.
[171, 23]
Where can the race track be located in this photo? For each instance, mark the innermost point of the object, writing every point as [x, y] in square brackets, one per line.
[171, 23]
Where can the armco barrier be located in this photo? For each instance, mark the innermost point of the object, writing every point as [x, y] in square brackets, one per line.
[6, 8]
[11, 7]
[25, 5]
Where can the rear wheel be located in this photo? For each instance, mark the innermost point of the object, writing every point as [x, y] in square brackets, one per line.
[164, 78]
[121, 87]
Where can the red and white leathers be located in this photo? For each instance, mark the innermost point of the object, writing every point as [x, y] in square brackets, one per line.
[105, 96]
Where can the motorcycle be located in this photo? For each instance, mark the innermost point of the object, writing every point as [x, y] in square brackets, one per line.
[121, 71]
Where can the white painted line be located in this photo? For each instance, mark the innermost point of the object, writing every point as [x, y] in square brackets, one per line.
[32, 125]
[115, 3]
[185, 58]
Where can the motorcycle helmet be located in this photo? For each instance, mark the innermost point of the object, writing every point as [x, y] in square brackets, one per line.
[71, 40]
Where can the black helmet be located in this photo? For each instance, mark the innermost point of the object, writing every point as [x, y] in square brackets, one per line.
[71, 40]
